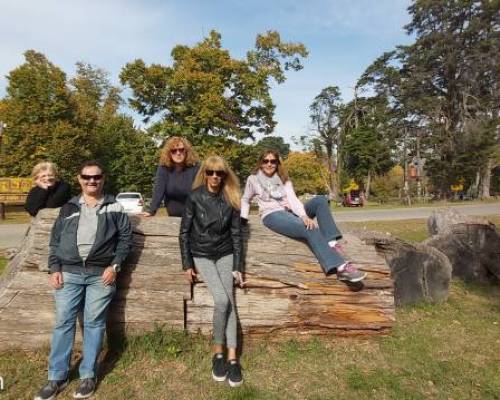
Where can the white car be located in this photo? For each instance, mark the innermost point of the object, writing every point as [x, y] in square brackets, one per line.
[132, 202]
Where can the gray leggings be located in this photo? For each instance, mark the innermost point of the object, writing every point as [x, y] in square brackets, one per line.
[218, 275]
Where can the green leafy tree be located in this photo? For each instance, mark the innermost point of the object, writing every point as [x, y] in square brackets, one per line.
[67, 122]
[38, 112]
[446, 84]
[274, 142]
[206, 92]
[366, 155]
[325, 116]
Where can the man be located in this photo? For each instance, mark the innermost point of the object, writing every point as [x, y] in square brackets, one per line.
[89, 242]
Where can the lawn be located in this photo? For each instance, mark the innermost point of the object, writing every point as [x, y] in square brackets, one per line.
[414, 230]
[447, 351]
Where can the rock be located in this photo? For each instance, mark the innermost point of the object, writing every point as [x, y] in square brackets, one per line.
[420, 272]
[441, 220]
[473, 248]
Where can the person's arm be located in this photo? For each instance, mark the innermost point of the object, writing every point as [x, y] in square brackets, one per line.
[159, 189]
[124, 244]
[185, 230]
[59, 196]
[36, 200]
[295, 204]
[248, 194]
[237, 240]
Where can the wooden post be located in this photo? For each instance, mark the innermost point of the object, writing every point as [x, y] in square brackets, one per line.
[2, 210]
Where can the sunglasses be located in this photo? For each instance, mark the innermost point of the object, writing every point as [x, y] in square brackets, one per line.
[178, 151]
[90, 177]
[218, 173]
[272, 161]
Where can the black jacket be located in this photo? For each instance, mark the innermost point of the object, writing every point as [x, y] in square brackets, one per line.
[112, 244]
[210, 228]
[54, 197]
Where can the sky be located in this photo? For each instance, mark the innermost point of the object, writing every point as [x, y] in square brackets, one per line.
[343, 37]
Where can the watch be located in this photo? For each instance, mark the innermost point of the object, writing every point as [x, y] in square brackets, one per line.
[116, 268]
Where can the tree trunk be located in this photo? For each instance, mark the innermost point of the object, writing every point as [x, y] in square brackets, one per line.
[486, 181]
[286, 292]
[367, 186]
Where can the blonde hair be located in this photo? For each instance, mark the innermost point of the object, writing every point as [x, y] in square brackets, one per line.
[165, 157]
[44, 166]
[281, 171]
[230, 183]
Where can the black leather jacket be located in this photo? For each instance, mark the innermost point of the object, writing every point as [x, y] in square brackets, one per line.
[210, 228]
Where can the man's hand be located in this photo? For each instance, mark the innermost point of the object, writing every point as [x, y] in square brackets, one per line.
[191, 275]
[56, 280]
[309, 223]
[109, 276]
[145, 214]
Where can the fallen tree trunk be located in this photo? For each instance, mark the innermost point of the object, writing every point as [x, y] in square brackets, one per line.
[286, 292]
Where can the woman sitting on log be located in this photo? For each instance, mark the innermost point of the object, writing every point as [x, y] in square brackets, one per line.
[174, 176]
[210, 241]
[49, 192]
[282, 212]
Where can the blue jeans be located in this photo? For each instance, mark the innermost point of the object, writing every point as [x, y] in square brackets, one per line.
[288, 224]
[79, 289]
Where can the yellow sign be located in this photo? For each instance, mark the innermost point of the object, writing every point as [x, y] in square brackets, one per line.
[352, 186]
[457, 188]
[15, 185]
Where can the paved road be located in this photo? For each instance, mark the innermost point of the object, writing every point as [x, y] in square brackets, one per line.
[413, 213]
[11, 234]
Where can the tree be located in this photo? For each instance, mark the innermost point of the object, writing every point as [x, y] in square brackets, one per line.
[446, 84]
[325, 116]
[206, 92]
[366, 155]
[274, 142]
[307, 172]
[67, 122]
[38, 112]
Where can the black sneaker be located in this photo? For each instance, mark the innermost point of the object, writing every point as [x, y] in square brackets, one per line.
[234, 373]
[51, 389]
[219, 370]
[86, 389]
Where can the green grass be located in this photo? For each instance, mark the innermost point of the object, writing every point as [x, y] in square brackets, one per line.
[446, 351]
[395, 205]
[414, 230]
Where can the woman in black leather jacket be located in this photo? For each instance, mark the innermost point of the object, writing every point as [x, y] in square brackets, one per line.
[210, 241]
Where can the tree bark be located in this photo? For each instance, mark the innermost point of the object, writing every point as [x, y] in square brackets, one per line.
[486, 181]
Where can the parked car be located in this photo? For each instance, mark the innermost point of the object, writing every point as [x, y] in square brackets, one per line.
[132, 202]
[352, 199]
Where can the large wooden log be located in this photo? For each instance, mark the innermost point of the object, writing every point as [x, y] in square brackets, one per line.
[286, 290]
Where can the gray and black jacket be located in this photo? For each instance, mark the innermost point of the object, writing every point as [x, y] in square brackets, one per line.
[112, 243]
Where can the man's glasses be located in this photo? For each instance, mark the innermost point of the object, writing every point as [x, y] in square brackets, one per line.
[90, 177]
[272, 161]
[180, 150]
[218, 173]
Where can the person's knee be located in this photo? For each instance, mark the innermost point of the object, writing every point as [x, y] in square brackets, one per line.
[65, 318]
[221, 304]
[322, 200]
